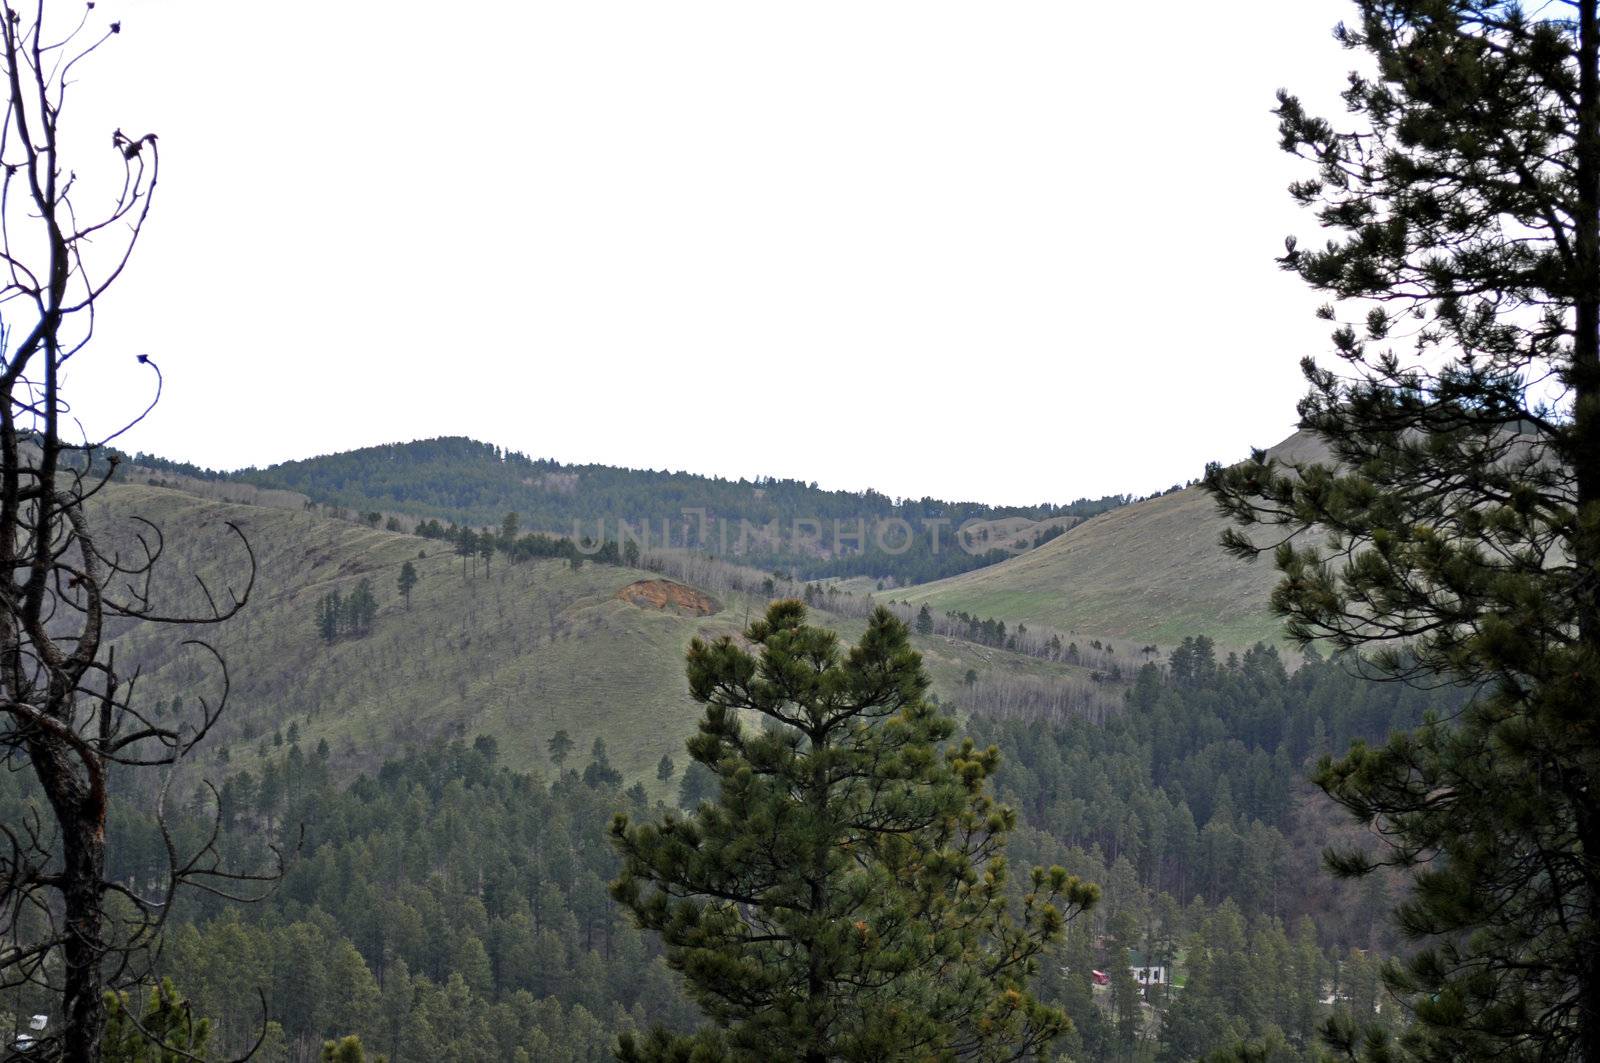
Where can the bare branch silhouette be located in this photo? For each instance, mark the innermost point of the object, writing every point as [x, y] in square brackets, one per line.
[68, 714]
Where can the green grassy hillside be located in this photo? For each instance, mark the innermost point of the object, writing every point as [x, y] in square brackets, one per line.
[518, 653]
[1150, 572]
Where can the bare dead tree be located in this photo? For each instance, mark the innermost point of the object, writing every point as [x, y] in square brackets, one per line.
[66, 713]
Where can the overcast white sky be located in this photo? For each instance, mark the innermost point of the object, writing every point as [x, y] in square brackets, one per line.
[1012, 251]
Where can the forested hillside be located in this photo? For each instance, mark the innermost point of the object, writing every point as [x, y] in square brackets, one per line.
[444, 907]
[453, 746]
[769, 522]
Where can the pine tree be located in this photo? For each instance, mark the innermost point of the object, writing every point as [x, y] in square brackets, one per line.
[599, 773]
[1459, 516]
[167, 1032]
[407, 582]
[361, 608]
[924, 621]
[344, 1050]
[395, 1002]
[559, 745]
[699, 783]
[330, 616]
[846, 895]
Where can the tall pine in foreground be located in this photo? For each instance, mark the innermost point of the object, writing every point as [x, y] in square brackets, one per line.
[845, 897]
[1456, 530]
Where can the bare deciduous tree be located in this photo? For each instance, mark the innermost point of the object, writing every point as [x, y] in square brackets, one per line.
[66, 713]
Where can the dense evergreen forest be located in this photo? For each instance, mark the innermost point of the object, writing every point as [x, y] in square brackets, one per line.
[797, 526]
[449, 909]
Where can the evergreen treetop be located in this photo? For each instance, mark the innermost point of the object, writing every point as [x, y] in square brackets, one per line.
[1455, 532]
[845, 896]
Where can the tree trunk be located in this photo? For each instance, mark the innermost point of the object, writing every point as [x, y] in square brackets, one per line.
[80, 807]
[816, 985]
[84, 866]
[1585, 456]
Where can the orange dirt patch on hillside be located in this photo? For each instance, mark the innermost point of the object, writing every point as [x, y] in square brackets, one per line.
[664, 594]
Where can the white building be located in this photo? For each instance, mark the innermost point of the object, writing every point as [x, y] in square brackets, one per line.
[1149, 976]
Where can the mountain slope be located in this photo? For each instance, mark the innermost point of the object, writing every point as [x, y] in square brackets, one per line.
[768, 522]
[528, 650]
[517, 654]
[1151, 572]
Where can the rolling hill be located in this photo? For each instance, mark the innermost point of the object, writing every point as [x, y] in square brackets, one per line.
[774, 523]
[517, 651]
[1150, 572]
[1188, 784]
